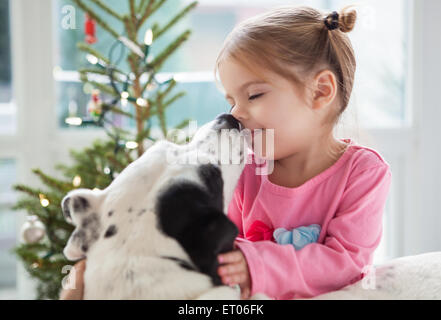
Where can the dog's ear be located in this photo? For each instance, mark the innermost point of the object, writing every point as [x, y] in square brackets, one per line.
[189, 214]
[206, 238]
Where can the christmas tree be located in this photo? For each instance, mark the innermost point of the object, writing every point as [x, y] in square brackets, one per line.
[136, 94]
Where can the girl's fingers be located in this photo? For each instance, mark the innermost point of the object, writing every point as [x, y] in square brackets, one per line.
[231, 268]
[233, 279]
[230, 257]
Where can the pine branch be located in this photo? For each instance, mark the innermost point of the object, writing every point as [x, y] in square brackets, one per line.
[107, 9]
[151, 8]
[115, 162]
[182, 124]
[33, 206]
[90, 70]
[88, 49]
[142, 135]
[173, 99]
[159, 60]
[173, 21]
[102, 87]
[149, 80]
[170, 86]
[133, 12]
[33, 192]
[143, 3]
[131, 30]
[121, 112]
[98, 20]
[56, 184]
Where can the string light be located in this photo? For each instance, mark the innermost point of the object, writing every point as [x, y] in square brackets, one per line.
[148, 37]
[91, 58]
[124, 95]
[43, 200]
[131, 145]
[141, 102]
[76, 181]
[132, 46]
[74, 121]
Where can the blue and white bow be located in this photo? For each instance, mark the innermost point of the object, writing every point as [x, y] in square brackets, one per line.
[298, 237]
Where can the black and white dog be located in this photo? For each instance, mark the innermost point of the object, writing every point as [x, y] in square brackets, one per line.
[156, 230]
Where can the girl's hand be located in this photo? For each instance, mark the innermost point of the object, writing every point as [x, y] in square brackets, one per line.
[78, 292]
[234, 270]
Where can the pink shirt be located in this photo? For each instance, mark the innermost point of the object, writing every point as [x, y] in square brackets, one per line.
[347, 200]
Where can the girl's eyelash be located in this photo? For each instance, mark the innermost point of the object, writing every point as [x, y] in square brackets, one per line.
[256, 96]
[251, 98]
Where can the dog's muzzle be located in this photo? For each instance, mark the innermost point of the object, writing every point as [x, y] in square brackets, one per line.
[227, 121]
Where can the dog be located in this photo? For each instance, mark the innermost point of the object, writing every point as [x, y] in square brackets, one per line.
[156, 230]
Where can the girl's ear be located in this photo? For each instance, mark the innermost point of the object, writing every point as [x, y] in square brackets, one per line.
[325, 89]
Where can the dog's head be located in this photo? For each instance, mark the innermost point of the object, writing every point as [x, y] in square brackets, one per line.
[172, 201]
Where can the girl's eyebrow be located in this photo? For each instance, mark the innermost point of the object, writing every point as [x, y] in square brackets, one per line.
[246, 84]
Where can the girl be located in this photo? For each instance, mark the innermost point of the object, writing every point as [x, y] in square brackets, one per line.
[291, 70]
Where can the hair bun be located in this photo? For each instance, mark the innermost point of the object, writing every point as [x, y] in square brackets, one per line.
[347, 18]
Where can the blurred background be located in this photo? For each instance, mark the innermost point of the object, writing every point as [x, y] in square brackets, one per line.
[395, 106]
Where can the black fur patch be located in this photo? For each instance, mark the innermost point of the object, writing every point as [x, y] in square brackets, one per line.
[88, 233]
[66, 210]
[193, 216]
[211, 176]
[111, 231]
[226, 121]
[110, 213]
[80, 204]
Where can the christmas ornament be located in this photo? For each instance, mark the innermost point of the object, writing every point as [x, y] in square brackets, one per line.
[95, 104]
[33, 230]
[90, 30]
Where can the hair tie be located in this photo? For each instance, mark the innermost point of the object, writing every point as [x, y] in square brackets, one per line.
[334, 21]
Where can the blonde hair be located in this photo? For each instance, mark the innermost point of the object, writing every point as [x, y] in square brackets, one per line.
[296, 37]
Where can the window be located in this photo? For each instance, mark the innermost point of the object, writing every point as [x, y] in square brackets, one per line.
[7, 111]
[7, 224]
[379, 89]
[381, 47]
[7, 166]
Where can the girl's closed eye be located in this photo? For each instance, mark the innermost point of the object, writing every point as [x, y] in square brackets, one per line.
[256, 96]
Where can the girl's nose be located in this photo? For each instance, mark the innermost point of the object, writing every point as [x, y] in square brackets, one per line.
[238, 113]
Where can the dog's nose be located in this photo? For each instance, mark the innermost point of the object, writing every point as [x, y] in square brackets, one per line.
[227, 121]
